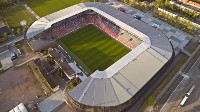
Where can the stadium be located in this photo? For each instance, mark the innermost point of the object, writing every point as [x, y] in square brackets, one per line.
[120, 55]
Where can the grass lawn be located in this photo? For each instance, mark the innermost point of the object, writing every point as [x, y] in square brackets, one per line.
[196, 44]
[92, 48]
[45, 7]
[14, 15]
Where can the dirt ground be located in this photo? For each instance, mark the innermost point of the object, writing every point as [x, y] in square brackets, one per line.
[27, 53]
[18, 86]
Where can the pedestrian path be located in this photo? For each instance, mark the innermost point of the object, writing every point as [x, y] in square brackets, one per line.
[186, 52]
[31, 11]
[33, 58]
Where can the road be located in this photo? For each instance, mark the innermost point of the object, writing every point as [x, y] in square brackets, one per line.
[13, 40]
[137, 106]
[166, 97]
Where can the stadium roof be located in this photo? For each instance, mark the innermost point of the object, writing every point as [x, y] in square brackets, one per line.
[122, 80]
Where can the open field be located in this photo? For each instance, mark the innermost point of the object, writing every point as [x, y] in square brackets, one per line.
[14, 15]
[92, 48]
[16, 86]
[45, 7]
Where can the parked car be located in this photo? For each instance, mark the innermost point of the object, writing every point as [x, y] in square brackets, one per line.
[121, 9]
[137, 17]
[155, 26]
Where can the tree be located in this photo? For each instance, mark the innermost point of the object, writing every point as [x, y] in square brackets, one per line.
[71, 85]
[176, 19]
[195, 15]
[78, 81]
[5, 35]
[161, 13]
[126, 1]
[158, 2]
[167, 4]
[60, 72]
[19, 31]
[74, 83]
[156, 7]
[185, 11]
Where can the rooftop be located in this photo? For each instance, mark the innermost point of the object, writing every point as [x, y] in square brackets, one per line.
[122, 80]
[63, 64]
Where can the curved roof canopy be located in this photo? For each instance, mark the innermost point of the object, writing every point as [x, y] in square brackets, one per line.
[122, 80]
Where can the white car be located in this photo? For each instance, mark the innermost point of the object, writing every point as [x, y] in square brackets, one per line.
[155, 26]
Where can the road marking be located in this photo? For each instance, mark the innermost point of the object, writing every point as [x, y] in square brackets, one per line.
[179, 84]
[171, 95]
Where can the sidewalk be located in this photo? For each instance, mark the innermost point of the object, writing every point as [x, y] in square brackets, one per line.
[31, 11]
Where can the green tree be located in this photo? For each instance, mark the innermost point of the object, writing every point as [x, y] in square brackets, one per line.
[78, 81]
[126, 1]
[185, 11]
[131, 2]
[19, 31]
[60, 72]
[190, 27]
[5, 35]
[175, 19]
[195, 15]
[158, 2]
[71, 85]
[167, 4]
[161, 13]
[156, 7]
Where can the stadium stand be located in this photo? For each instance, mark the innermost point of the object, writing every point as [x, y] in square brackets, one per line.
[66, 26]
[117, 87]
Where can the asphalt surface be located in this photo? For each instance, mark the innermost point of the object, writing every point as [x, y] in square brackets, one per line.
[137, 106]
[166, 97]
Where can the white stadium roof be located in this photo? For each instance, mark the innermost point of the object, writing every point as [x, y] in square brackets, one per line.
[122, 80]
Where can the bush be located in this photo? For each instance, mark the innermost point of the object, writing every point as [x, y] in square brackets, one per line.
[74, 83]
[151, 100]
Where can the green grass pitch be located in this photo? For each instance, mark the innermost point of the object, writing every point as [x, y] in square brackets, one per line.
[14, 15]
[45, 7]
[92, 48]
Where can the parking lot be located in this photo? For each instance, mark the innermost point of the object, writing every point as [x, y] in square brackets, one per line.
[177, 37]
[6, 60]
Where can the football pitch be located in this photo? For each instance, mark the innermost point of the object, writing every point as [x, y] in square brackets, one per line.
[92, 48]
[45, 7]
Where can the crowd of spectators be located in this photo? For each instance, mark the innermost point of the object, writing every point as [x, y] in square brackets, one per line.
[73, 23]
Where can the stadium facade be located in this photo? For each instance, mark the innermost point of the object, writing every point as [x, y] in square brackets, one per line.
[118, 86]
